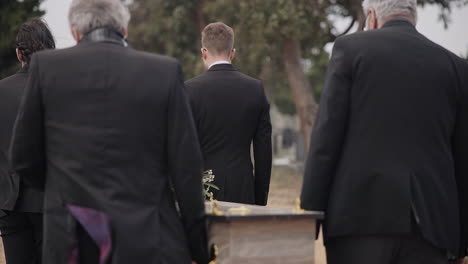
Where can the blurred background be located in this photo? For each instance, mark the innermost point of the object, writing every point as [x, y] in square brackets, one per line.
[286, 43]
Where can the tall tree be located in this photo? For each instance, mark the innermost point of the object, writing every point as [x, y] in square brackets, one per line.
[12, 14]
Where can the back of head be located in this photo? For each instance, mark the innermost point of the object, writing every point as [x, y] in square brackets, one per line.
[386, 9]
[218, 39]
[34, 35]
[87, 15]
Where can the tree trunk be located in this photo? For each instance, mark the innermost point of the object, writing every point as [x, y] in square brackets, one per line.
[200, 18]
[356, 8]
[306, 105]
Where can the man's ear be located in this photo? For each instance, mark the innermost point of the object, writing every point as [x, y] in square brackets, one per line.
[204, 53]
[232, 54]
[75, 34]
[373, 22]
[19, 56]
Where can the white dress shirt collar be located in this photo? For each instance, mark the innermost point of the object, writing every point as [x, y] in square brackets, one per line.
[219, 62]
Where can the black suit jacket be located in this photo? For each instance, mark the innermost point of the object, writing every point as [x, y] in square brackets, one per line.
[390, 142]
[110, 128]
[231, 111]
[14, 194]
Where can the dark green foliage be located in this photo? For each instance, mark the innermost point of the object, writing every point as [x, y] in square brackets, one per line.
[12, 14]
[168, 27]
[279, 93]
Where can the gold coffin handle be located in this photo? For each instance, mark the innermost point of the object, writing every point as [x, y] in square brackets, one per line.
[240, 210]
[297, 209]
[214, 209]
[215, 254]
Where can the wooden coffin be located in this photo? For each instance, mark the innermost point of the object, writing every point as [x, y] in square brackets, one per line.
[250, 234]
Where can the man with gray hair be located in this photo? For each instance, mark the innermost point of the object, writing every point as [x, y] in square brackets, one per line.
[109, 132]
[388, 155]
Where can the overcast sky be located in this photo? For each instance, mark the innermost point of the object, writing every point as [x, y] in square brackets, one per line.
[455, 38]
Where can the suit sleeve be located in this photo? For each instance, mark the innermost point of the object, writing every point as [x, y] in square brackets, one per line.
[193, 104]
[185, 168]
[460, 151]
[262, 153]
[27, 154]
[328, 133]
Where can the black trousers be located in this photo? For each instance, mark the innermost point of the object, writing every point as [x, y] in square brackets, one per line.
[22, 237]
[396, 249]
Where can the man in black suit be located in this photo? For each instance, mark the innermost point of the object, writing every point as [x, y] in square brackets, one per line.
[110, 132]
[388, 155]
[231, 111]
[20, 203]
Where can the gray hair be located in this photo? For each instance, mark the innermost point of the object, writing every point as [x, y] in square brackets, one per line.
[387, 8]
[86, 15]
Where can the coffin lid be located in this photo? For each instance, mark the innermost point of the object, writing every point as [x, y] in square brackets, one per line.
[230, 211]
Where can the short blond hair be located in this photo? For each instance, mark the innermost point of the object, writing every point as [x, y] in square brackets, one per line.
[218, 38]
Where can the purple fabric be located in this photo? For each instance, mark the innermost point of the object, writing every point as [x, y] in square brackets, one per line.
[97, 225]
[74, 256]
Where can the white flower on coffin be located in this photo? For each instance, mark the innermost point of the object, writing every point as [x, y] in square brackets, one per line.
[207, 179]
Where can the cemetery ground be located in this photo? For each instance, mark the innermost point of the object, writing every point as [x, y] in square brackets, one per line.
[285, 188]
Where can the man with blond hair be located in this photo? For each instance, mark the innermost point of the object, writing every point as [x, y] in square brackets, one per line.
[109, 132]
[231, 113]
[388, 155]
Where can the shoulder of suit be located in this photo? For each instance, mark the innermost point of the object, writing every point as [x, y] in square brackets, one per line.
[78, 49]
[460, 62]
[53, 57]
[357, 36]
[195, 80]
[364, 39]
[356, 41]
[245, 78]
[53, 53]
[462, 65]
[249, 78]
[204, 77]
[7, 81]
[456, 58]
[155, 57]
[165, 63]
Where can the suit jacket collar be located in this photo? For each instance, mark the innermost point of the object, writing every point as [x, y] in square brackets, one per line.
[222, 67]
[104, 34]
[399, 22]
